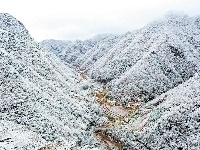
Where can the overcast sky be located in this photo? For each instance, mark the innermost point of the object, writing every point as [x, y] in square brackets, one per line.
[82, 19]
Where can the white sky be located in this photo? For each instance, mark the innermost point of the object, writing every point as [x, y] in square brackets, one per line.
[82, 19]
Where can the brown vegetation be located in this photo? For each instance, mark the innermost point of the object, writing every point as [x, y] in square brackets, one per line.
[107, 142]
[82, 75]
[101, 96]
[116, 113]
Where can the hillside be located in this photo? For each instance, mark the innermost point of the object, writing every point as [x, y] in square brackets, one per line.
[171, 121]
[174, 121]
[152, 60]
[39, 94]
[55, 46]
[76, 52]
[99, 50]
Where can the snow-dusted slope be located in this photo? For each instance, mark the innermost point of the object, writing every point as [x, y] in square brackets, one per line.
[16, 136]
[174, 121]
[37, 91]
[171, 121]
[55, 46]
[100, 49]
[70, 51]
[82, 54]
[153, 59]
[77, 49]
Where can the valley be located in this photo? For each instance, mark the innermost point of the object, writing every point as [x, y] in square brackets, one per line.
[139, 90]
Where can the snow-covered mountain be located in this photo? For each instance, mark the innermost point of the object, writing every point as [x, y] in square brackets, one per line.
[39, 94]
[152, 60]
[151, 74]
[75, 52]
[166, 52]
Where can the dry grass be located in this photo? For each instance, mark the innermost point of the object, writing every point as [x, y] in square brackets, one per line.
[115, 114]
